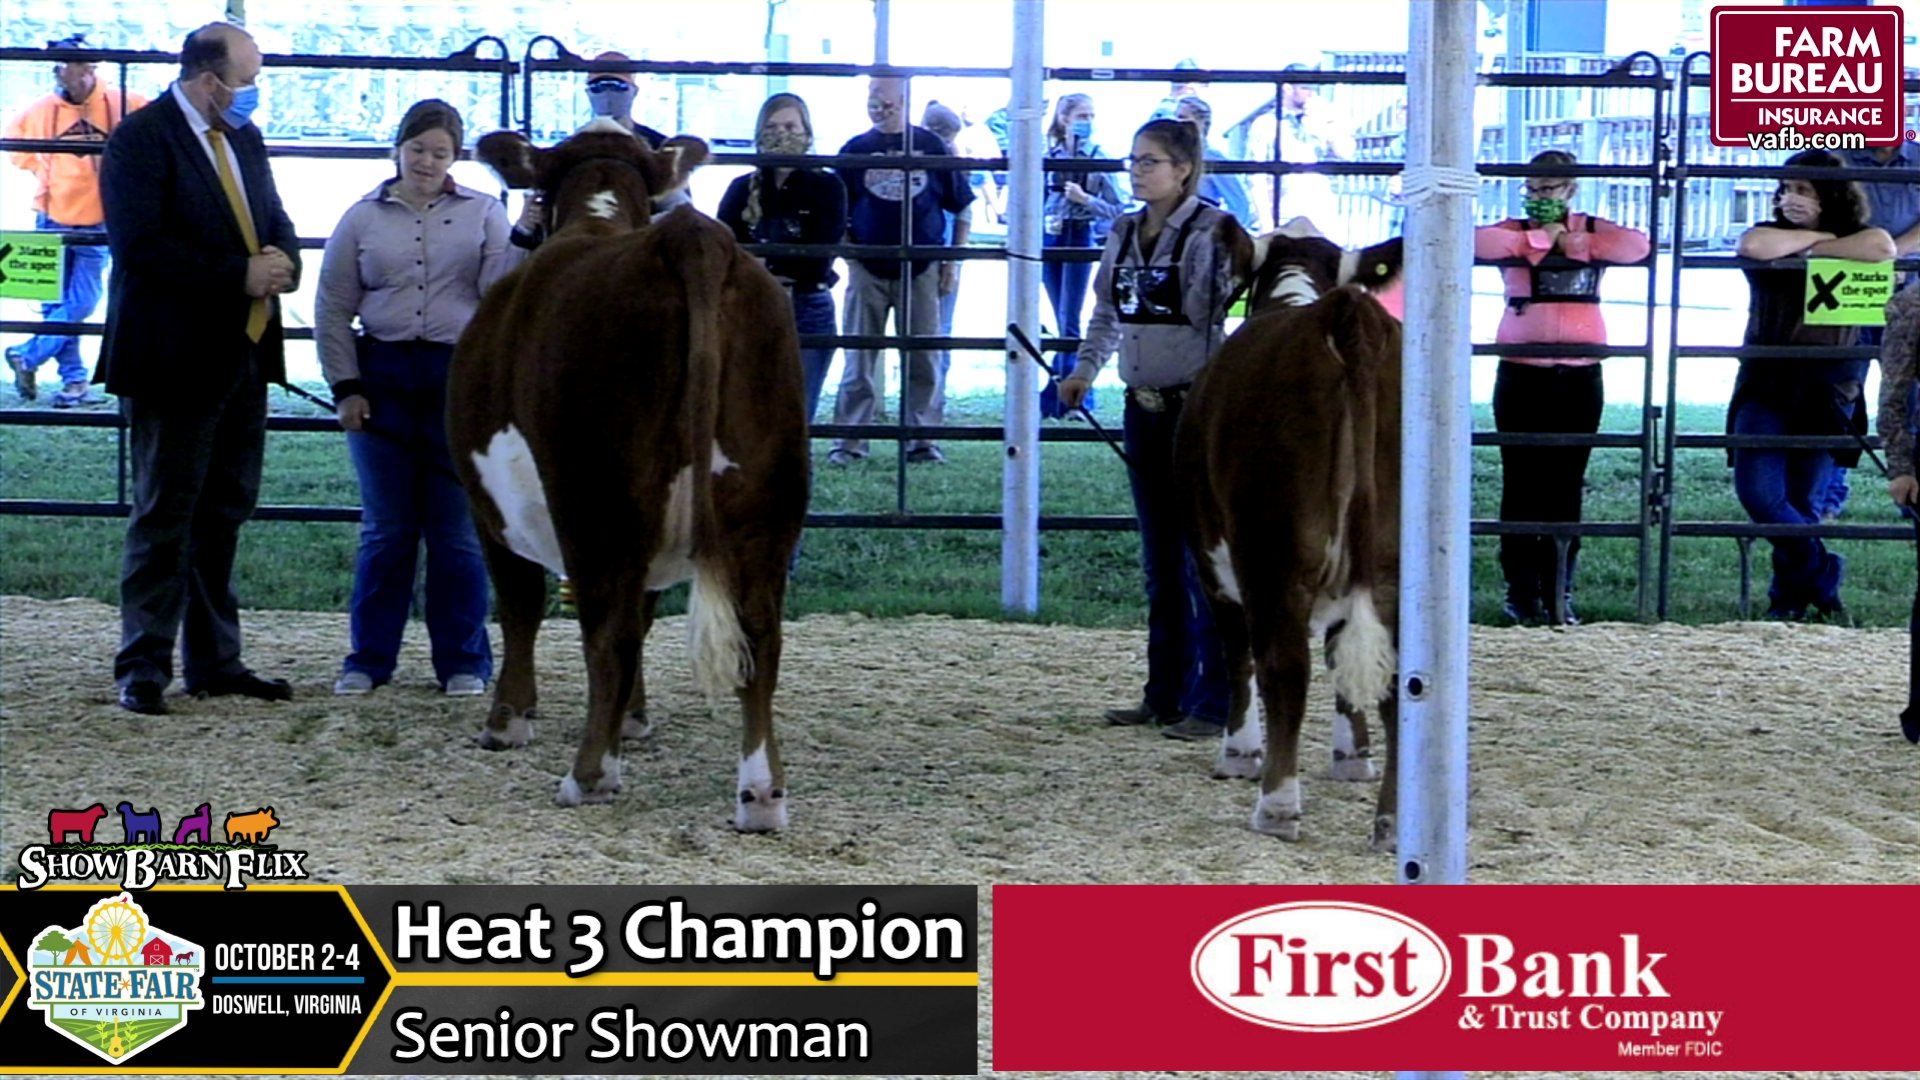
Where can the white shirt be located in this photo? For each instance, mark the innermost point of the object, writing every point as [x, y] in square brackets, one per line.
[200, 129]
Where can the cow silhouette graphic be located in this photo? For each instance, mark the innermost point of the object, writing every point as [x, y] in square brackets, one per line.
[62, 822]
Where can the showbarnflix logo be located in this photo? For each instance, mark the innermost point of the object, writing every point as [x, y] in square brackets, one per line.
[116, 984]
[145, 857]
[1808, 78]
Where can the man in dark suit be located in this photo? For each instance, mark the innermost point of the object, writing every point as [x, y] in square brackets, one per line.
[201, 247]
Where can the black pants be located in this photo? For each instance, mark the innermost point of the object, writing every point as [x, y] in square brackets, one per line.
[1542, 483]
[196, 476]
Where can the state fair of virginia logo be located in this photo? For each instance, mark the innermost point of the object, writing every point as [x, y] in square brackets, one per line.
[1321, 966]
[203, 848]
[116, 984]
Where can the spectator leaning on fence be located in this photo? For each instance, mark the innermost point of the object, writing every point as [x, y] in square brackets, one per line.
[1555, 299]
[1799, 395]
[1160, 301]
[410, 260]
[67, 197]
[201, 249]
[788, 205]
[876, 288]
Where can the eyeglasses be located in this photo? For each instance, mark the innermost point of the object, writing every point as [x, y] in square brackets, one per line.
[1535, 191]
[1146, 163]
[610, 86]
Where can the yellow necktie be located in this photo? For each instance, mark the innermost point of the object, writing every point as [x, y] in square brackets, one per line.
[257, 312]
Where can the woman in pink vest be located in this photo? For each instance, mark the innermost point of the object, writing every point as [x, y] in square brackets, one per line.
[1554, 299]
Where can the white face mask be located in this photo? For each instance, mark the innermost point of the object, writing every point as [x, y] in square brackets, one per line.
[1798, 209]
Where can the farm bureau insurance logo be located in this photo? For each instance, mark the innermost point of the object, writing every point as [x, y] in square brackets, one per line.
[116, 984]
[1808, 78]
[1321, 966]
[145, 856]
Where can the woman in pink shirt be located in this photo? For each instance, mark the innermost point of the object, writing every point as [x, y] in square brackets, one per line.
[1554, 299]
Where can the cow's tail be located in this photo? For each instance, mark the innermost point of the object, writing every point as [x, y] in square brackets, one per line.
[721, 655]
[1362, 661]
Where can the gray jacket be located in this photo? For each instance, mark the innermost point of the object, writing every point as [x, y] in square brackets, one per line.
[1162, 355]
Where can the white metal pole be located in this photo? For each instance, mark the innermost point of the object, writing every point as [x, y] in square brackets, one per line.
[1437, 466]
[1020, 477]
[1516, 134]
[883, 33]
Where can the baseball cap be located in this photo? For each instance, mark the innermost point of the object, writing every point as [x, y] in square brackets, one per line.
[595, 75]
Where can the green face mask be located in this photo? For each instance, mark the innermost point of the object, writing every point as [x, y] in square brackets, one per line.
[1546, 211]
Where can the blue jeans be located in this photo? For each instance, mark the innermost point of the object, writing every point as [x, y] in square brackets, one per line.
[408, 492]
[79, 295]
[1831, 499]
[1186, 667]
[1066, 285]
[1777, 487]
[813, 314]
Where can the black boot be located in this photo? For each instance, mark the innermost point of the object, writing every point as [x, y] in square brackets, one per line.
[1566, 615]
[1523, 606]
[1520, 565]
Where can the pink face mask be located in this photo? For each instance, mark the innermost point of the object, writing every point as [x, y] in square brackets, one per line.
[1798, 209]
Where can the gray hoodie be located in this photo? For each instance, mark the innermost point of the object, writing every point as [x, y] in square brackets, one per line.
[1161, 355]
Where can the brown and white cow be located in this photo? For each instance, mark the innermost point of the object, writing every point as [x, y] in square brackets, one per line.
[626, 409]
[1290, 444]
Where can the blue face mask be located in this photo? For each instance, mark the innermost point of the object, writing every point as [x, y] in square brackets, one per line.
[240, 113]
[1081, 129]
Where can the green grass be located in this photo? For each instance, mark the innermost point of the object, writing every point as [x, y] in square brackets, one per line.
[1090, 579]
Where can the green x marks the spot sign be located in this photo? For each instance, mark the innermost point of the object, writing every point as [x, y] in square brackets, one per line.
[1841, 292]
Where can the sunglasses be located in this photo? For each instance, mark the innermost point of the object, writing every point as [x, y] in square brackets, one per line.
[609, 86]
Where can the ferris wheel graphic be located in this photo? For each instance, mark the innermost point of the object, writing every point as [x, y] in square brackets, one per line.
[115, 930]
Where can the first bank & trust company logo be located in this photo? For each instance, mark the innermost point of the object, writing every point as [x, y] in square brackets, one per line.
[115, 983]
[1337, 966]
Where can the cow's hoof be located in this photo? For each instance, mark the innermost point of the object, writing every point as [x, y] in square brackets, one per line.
[1352, 768]
[1277, 812]
[1237, 764]
[636, 726]
[761, 809]
[1386, 834]
[507, 728]
[601, 790]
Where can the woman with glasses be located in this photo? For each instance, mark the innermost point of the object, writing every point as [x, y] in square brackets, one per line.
[1080, 209]
[787, 205]
[1795, 395]
[1160, 301]
[1554, 299]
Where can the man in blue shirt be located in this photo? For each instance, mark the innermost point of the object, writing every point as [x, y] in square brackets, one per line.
[876, 287]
